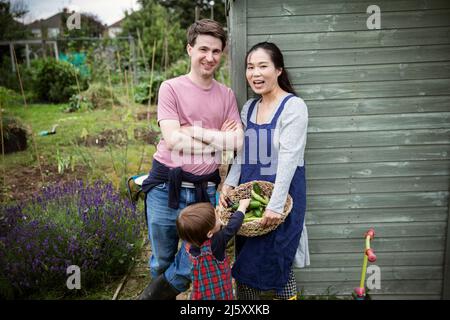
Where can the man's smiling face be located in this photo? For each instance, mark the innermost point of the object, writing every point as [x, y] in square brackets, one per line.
[205, 55]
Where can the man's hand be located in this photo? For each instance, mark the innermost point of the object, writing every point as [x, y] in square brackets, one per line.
[179, 138]
[196, 132]
[229, 138]
[229, 125]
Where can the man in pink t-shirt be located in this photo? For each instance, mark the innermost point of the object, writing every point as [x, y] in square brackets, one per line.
[187, 104]
[199, 119]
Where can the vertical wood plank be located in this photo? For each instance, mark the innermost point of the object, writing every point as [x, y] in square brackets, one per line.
[27, 53]
[11, 52]
[446, 281]
[238, 37]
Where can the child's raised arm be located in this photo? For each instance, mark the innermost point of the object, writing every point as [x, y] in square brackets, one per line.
[243, 205]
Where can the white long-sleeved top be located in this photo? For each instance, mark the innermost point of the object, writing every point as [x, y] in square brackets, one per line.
[289, 143]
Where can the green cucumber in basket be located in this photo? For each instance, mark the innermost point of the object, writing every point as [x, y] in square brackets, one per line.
[257, 194]
[258, 213]
[250, 214]
[259, 198]
[257, 188]
[254, 204]
[248, 219]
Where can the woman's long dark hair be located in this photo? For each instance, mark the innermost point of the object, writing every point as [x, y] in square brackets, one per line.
[277, 58]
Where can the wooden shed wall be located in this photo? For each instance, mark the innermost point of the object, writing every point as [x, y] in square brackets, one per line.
[378, 150]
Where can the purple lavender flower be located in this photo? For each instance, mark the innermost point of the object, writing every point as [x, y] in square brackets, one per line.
[73, 223]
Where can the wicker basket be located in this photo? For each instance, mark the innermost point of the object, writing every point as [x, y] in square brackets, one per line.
[252, 228]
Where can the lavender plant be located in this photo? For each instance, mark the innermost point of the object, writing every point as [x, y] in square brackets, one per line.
[88, 225]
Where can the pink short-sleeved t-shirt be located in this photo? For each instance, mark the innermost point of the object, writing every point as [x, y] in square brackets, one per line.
[181, 99]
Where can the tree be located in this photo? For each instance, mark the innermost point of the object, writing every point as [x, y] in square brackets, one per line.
[10, 28]
[185, 9]
[90, 26]
[157, 26]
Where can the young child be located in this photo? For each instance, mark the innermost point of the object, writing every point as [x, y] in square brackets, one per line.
[207, 239]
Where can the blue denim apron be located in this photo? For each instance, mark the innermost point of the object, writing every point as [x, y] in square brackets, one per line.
[264, 262]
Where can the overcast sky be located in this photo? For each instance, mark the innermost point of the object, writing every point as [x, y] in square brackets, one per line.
[109, 11]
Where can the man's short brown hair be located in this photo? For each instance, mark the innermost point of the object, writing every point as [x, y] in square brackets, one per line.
[207, 27]
[195, 221]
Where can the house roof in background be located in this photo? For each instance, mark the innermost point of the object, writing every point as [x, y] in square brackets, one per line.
[117, 23]
[51, 22]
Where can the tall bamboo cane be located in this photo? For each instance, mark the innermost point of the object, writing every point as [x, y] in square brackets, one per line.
[141, 47]
[31, 129]
[150, 91]
[20, 78]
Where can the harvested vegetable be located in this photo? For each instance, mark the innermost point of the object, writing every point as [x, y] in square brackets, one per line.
[256, 187]
[254, 204]
[257, 204]
[248, 219]
[258, 197]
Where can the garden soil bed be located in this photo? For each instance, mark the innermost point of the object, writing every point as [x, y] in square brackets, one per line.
[22, 181]
[109, 136]
[143, 115]
[149, 136]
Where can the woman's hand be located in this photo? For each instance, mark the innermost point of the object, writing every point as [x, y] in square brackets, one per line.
[223, 195]
[270, 218]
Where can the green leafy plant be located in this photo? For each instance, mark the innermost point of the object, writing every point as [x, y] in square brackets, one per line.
[178, 68]
[96, 96]
[156, 22]
[78, 102]
[142, 90]
[9, 97]
[56, 81]
[64, 162]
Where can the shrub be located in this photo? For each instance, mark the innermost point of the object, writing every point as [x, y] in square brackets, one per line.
[10, 80]
[97, 96]
[72, 224]
[142, 90]
[78, 102]
[9, 98]
[56, 81]
[101, 96]
[178, 68]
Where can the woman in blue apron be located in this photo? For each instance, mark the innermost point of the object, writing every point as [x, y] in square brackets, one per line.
[274, 145]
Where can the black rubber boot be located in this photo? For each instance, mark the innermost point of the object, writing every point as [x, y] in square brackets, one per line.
[159, 289]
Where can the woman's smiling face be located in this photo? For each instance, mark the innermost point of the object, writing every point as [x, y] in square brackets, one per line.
[261, 72]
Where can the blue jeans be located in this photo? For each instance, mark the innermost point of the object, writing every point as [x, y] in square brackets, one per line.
[163, 236]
